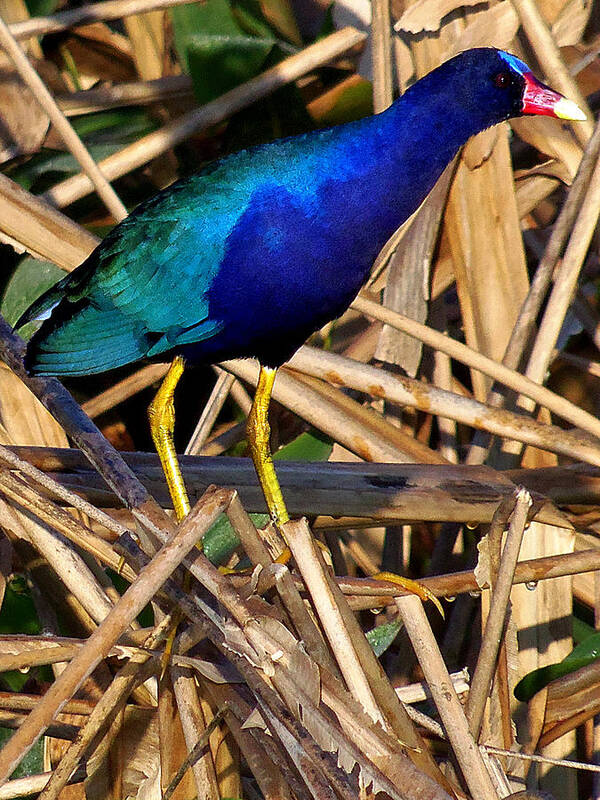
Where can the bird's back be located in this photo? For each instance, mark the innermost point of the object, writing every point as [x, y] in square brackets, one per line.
[268, 232]
[250, 256]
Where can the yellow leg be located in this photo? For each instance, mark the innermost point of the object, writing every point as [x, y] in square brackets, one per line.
[162, 423]
[258, 439]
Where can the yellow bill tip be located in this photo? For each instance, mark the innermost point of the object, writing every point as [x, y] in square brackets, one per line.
[567, 109]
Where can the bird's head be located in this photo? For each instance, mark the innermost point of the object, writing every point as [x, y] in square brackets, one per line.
[488, 85]
[533, 96]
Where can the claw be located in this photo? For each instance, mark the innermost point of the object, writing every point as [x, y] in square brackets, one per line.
[411, 586]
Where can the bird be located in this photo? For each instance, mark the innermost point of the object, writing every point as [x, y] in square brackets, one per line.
[252, 254]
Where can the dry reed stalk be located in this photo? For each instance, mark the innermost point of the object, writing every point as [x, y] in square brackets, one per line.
[63, 126]
[40, 479]
[135, 671]
[154, 144]
[414, 394]
[355, 658]
[85, 434]
[381, 35]
[26, 222]
[327, 601]
[263, 638]
[446, 700]
[418, 692]
[268, 776]
[124, 389]
[198, 759]
[21, 702]
[132, 93]
[38, 657]
[121, 615]
[500, 695]
[509, 377]
[365, 593]
[257, 552]
[524, 325]
[211, 411]
[547, 52]
[92, 12]
[587, 315]
[485, 243]
[26, 498]
[493, 633]
[408, 492]
[195, 730]
[64, 560]
[565, 281]
[32, 784]
[147, 34]
[442, 378]
[359, 429]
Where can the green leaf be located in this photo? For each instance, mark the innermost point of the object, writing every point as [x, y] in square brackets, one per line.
[32, 762]
[381, 637]
[118, 125]
[328, 25]
[212, 17]
[581, 630]
[582, 655]
[41, 8]
[220, 541]
[104, 133]
[248, 15]
[50, 166]
[29, 280]
[18, 615]
[309, 446]
[219, 63]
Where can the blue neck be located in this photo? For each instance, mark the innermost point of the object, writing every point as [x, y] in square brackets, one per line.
[391, 161]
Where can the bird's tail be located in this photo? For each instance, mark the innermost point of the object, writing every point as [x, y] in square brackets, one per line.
[41, 308]
[78, 340]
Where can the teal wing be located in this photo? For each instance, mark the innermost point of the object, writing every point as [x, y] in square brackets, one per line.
[145, 287]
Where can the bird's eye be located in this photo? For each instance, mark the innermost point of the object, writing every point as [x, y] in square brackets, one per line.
[502, 80]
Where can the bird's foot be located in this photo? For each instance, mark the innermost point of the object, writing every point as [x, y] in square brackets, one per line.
[414, 587]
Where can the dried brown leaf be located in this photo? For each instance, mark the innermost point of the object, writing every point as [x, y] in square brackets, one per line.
[496, 26]
[24, 122]
[552, 138]
[427, 15]
[407, 287]
[487, 250]
[100, 53]
[147, 35]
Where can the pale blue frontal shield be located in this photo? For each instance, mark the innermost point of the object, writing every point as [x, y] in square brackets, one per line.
[515, 63]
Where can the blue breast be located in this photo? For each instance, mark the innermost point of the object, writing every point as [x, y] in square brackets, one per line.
[309, 234]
